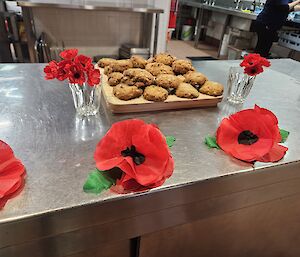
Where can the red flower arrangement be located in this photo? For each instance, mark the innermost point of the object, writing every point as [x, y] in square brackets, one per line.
[12, 174]
[254, 64]
[77, 68]
[139, 151]
[251, 135]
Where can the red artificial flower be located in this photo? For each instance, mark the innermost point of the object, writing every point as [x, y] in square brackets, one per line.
[12, 173]
[253, 70]
[84, 61]
[76, 74]
[139, 150]
[51, 70]
[69, 54]
[254, 63]
[93, 77]
[251, 135]
[63, 69]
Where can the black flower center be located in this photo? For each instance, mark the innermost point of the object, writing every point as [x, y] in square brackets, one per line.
[77, 75]
[246, 137]
[137, 157]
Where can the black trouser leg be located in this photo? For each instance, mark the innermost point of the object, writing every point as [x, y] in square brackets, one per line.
[266, 38]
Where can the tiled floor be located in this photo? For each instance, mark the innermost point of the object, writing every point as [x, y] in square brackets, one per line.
[182, 49]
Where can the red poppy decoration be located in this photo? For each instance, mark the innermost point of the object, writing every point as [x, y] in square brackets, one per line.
[69, 54]
[78, 69]
[140, 151]
[12, 173]
[251, 135]
[84, 62]
[254, 64]
[51, 70]
[93, 77]
[76, 74]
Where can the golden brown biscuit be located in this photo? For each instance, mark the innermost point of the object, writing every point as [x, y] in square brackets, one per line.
[195, 78]
[121, 65]
[212, 88]
[125, 92]
[108, 70]
[138, 61]
[138, 77]
[186, 90]
[155, 93]
[181, 78]
[164, 58]
[103, 62]
[182, 66]
[167, 81]
[150, 60]
[158, 68]
[115, 78]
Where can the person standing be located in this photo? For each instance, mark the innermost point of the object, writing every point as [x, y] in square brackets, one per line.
[269, 21]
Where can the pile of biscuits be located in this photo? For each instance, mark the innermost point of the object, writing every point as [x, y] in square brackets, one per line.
[157, 78]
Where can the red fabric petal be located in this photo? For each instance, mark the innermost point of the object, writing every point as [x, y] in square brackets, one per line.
[118, 138]
[93, 77]
[275, 154]
[12, 174]
[253, 70]
[14, 192]
[84, 62]
[270, 115]
[69, 54]
[152, 144]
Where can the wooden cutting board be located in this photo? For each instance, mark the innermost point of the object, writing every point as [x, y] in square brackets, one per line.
[141, 105]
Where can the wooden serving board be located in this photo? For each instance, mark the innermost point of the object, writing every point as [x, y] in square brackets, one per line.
[141, 105]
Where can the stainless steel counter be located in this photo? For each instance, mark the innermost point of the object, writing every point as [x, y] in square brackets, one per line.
[93, 5]
[221, 9]
[147, 38]
[38, 120]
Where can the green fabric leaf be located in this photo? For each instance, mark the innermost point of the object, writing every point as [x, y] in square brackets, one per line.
[211, 142]
[97, 181]
[284, 135]
[170, 140]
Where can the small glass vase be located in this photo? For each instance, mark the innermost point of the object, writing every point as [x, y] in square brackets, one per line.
[86, 98]
[239, 85]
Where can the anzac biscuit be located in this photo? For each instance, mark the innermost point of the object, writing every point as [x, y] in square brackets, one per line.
[115, 78]
[138, 76]
[158, 68]
[195, 78]
[182, 66]
[181, 78]
[108, 70]
[125, 92]
[121, 65]
[138, 61]
[164, 58]
[186, 90]
[167, 81]
[105, 62]
[155, 93]
[212, 88]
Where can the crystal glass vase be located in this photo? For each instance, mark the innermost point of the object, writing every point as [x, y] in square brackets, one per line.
[239, 85]
[86, 98]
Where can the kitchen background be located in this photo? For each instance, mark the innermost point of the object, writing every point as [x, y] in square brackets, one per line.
[36, 30]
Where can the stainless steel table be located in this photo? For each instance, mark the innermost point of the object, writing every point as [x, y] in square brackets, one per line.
[88, 5]
[54, 217]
